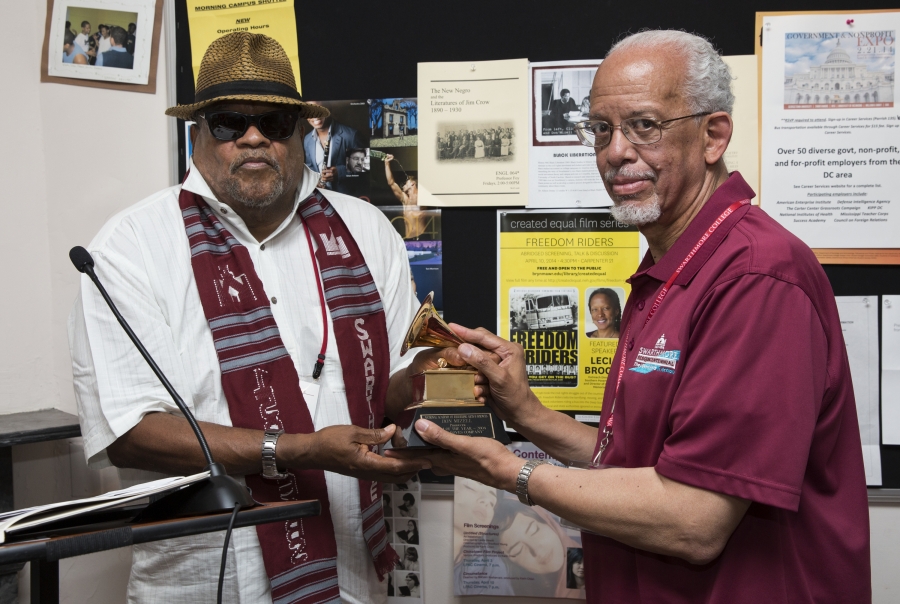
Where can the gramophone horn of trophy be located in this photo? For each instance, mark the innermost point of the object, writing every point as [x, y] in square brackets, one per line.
[445, 396]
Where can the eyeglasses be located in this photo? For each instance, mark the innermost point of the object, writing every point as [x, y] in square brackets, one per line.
[230, 125]
[638, 130]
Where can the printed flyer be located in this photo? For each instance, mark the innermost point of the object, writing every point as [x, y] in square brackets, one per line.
[830, 152]
[561, 291]
[473, 129]
[563, 171]
[504, 548]
[212, 19]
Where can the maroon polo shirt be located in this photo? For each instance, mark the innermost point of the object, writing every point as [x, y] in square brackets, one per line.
[739, 384]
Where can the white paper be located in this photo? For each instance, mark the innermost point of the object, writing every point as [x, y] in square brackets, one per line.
[742, 154]
[890, 370]
[830, 128]
[859, 323]
[473, 133]
[26, 518]
[563, 172]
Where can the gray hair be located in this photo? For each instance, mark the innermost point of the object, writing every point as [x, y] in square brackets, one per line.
[707, 81]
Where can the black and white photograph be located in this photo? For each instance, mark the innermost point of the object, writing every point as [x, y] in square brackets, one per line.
[561, 99]
[544, 320]
[406, 505]
[543, 308]
[409, 557]
[406, 531]
[408, 585]
[475, 142]
[401, 503]
[101, 40]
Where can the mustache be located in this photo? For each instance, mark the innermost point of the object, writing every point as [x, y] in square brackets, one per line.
[254, 156]
[625, 172]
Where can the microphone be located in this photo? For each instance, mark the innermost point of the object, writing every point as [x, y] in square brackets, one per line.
[220, 492]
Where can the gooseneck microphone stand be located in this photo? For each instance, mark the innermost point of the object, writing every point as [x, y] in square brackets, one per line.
[218, 493]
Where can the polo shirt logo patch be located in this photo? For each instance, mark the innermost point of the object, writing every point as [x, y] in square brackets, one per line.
[656, 358]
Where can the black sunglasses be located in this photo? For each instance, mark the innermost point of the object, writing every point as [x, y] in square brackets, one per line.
[230, 125]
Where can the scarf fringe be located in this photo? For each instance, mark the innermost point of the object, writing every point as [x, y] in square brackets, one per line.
[386, 561]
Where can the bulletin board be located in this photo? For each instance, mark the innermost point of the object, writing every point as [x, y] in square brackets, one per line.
[371, 50]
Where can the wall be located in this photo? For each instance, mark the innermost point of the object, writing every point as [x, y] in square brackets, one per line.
[73, 157]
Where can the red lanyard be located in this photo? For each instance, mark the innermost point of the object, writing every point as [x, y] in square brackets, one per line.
[320, 361]
[608, 428]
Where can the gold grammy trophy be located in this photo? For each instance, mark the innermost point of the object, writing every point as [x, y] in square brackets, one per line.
[445, 396]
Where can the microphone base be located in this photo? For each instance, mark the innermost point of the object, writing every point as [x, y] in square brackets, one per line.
[218, 493]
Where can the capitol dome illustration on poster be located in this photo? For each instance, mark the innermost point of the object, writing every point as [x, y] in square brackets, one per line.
[839, 70]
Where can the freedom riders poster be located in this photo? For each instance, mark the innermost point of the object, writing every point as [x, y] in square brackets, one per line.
[561, 289]
[545, 322]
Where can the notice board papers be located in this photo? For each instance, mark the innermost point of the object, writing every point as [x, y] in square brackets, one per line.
[473, 133]
[859, 323]
[561, 291]
[563, 172]
[890, 370]
[830, 150]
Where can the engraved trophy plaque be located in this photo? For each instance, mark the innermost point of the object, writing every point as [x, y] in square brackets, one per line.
[445, 396]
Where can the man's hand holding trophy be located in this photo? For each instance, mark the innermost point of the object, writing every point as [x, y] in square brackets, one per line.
[445, 396]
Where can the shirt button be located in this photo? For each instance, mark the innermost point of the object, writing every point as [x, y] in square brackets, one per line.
[630, 342]
[263, 246]
[640, 305]
[275, 301]
[224, 210]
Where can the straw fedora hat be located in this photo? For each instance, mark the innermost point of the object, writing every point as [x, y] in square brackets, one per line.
[241, 66]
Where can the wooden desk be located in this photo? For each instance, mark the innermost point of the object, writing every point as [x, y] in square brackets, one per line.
[45, 554]
[21, 429]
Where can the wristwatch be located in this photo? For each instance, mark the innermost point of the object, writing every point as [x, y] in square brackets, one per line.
[522, 480]
[269, 467]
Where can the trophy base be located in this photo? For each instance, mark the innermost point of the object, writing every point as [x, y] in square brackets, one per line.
[465, 420]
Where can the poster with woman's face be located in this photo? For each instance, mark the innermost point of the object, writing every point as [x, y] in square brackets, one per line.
[504, 548]
[604, 311]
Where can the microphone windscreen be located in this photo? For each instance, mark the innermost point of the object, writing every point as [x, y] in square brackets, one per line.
[81, 258]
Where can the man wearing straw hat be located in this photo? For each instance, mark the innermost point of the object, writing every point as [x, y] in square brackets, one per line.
[277, 310]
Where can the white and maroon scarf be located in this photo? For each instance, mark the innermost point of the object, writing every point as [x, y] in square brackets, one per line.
[263, 389]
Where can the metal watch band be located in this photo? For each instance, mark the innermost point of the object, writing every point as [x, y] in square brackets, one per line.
[522, 480]
[269, 467]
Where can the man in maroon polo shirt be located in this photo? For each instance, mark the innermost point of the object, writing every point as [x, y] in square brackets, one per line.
[729, 416]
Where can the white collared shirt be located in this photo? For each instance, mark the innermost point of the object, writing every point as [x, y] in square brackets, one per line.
[142, 257]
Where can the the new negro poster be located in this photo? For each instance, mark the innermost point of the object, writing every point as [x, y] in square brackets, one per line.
[504, 548]
[561, 291]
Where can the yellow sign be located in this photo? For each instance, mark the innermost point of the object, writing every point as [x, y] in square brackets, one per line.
[561, 293]
[212, 19]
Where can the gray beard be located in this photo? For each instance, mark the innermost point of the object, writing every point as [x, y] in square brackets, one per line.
[627, 210]
[251, 198]
[637, 214]
[248, 199]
